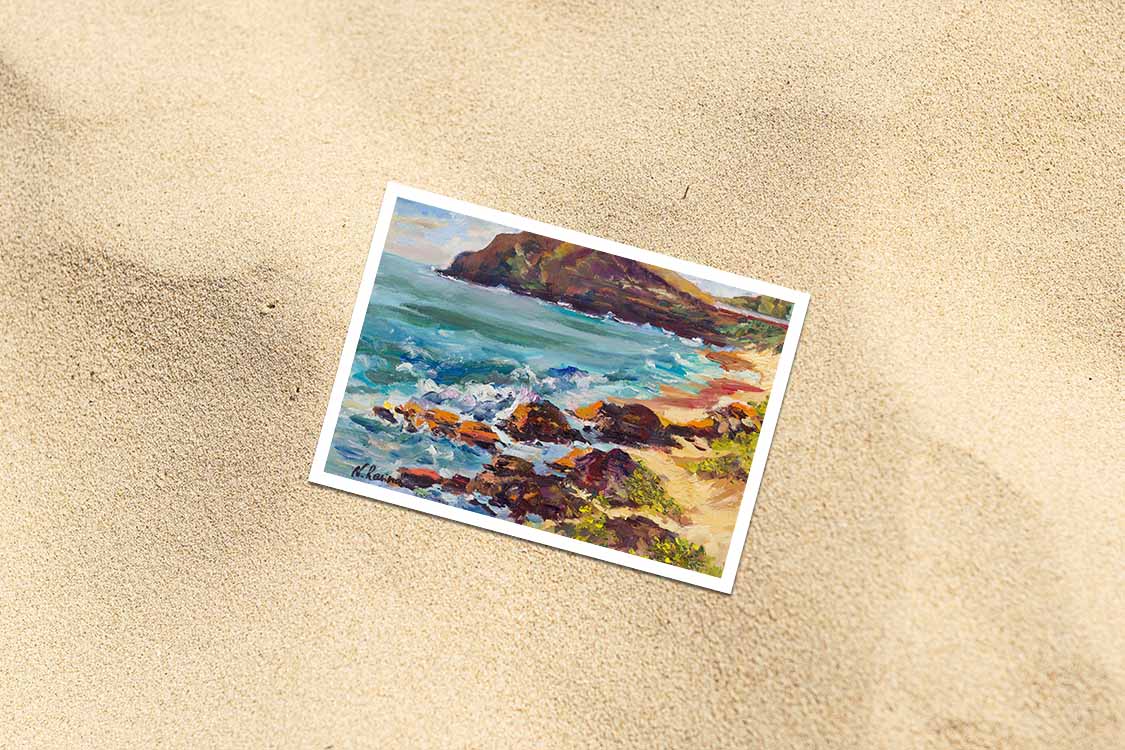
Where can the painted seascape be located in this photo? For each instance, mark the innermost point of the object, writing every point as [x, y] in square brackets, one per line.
[559, 387]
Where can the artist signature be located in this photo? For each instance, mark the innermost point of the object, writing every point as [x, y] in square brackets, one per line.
[367, 471]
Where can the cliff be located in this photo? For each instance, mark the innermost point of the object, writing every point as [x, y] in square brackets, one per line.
[598, 283]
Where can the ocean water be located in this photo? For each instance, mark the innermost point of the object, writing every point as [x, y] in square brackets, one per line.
[479, 351]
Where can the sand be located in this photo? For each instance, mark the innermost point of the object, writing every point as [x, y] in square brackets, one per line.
[187, 197]
[710, 507]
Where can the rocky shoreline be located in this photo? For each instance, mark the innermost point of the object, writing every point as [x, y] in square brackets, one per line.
[601, 491]
[660, 478]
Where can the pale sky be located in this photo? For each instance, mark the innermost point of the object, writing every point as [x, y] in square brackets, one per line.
[715, 288]
[434, 235]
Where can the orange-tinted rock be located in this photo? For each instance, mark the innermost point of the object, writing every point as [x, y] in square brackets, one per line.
[418, 478]
[437, 421]
[704, 424]
[706, 427]
[741, 410]
[590, 412]
[412, 415]
[457, 484]
[410, 408]
[539, 421]
[566, 463]
[442, 417]
[477, 433]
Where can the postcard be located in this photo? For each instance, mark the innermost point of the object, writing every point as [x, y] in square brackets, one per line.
[559, 388]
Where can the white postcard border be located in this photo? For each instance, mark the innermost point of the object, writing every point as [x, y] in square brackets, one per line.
[724, 584]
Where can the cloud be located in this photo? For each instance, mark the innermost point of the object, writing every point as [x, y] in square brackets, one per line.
[422, 222]
[433, 235]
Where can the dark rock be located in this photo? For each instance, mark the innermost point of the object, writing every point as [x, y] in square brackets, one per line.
[511, 482]
[627, 424]
[384, 414]
[507, 465]
[418, 478]
[542, 421]
[636, 533]
[603, 472]
[487, 483]
[537, 495]
[458, 484]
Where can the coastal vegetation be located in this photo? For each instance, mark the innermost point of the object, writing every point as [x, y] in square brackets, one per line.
[731, 454]
[604, 497]
[756, 332]
[775, 308]
[645, 490]
[684, 554]
[732, 457]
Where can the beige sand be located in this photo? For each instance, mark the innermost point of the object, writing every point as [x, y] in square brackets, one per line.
[710, 506]
[186, 202]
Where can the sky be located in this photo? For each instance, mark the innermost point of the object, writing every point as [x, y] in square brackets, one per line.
[434, 236]
[715, 288]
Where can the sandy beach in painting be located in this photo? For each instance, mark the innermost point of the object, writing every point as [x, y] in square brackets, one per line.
[711, 503]
[559, 387]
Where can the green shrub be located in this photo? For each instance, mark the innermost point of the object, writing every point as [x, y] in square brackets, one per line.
[757, 333]
[732, 457]
[645, 490]
[590, 526]
[683, 554]
[718, 467]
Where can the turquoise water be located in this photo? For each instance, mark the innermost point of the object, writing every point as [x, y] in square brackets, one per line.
[479, 351]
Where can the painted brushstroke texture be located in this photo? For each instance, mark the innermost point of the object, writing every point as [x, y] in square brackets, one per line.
[560, 387]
